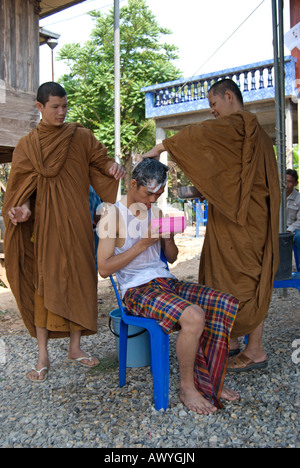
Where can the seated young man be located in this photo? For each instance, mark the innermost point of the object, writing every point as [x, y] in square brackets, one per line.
[131, 249]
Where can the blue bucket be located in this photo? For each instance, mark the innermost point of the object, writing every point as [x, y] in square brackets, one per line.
[138, 343]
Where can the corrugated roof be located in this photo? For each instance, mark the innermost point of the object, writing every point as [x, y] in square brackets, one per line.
[49, 7]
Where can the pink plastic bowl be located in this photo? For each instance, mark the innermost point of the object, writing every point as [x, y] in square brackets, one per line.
[173, 224]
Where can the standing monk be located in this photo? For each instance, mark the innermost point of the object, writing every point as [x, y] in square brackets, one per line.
[49, 246]
[231, 161]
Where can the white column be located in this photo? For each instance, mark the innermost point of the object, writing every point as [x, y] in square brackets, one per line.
[117, 87]
[289, 135]
[163, 199]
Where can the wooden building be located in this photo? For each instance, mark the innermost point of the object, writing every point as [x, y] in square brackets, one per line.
[19, 66]
[20, 38]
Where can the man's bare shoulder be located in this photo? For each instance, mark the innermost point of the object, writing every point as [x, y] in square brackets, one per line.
[109, 212]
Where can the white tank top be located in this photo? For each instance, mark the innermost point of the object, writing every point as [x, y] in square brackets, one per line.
[148, 264]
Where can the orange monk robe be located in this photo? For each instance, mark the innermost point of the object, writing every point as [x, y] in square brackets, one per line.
[231, 161]
[53, 167]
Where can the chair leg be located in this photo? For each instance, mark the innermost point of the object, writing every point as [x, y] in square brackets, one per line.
[122, 353]
[160, 369]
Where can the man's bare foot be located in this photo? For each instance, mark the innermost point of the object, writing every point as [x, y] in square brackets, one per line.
[229, 394]
[39, 373]
[194, 401]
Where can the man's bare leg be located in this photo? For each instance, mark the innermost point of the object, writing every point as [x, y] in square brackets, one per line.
[43, 356]
[75, 351]
[192, 325]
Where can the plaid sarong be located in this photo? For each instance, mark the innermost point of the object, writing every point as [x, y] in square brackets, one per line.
[164, 299]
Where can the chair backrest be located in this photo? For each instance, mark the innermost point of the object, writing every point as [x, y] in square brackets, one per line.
[163, 258]
[116, 289]
[118, 297]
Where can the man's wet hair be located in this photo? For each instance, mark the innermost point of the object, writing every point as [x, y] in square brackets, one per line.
[49, 89]
[221, 86]
[150, 169]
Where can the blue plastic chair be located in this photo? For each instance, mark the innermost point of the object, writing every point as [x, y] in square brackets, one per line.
[159, 352]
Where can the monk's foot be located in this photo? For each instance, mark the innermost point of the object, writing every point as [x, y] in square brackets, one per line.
[229, 394]
[83, 359]
[39, 373]
[255, 354]
[194, 401]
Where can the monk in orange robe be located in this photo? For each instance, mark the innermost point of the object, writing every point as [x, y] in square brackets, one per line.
[231, 161]
[49, 245]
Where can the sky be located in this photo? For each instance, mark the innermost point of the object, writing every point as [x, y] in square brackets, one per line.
[211, 35]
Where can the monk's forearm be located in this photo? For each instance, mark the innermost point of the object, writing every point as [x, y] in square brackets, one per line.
[155, 152]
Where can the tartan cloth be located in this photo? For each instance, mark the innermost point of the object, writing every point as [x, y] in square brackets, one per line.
[164, 299]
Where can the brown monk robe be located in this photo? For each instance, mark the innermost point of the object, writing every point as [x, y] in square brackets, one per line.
[53, 253]
[231, 162]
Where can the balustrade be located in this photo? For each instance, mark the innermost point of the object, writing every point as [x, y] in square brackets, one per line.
[256, 82]
[260, 78]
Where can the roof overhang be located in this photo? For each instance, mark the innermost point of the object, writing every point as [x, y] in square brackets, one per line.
[49, 7]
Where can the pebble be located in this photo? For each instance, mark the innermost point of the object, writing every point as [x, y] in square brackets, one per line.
[77, 407]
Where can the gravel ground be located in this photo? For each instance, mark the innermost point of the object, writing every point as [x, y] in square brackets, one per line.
[78, 407]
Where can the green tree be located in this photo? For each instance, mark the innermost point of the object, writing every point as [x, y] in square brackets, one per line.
[144, 60]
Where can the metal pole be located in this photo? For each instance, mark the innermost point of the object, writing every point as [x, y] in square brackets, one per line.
[280, 105]
[52, 43]
[283, 116]
[52, 62]
[117, 85]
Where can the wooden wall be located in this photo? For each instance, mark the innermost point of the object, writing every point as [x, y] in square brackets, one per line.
[19, 69]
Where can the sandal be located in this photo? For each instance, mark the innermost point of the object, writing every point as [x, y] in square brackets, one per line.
[234, 352]
[241, 363]
[83, 358]
[43, 369]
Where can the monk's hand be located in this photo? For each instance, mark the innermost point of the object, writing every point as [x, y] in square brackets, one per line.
[117, 171]
[155, 152]
[19, 214]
